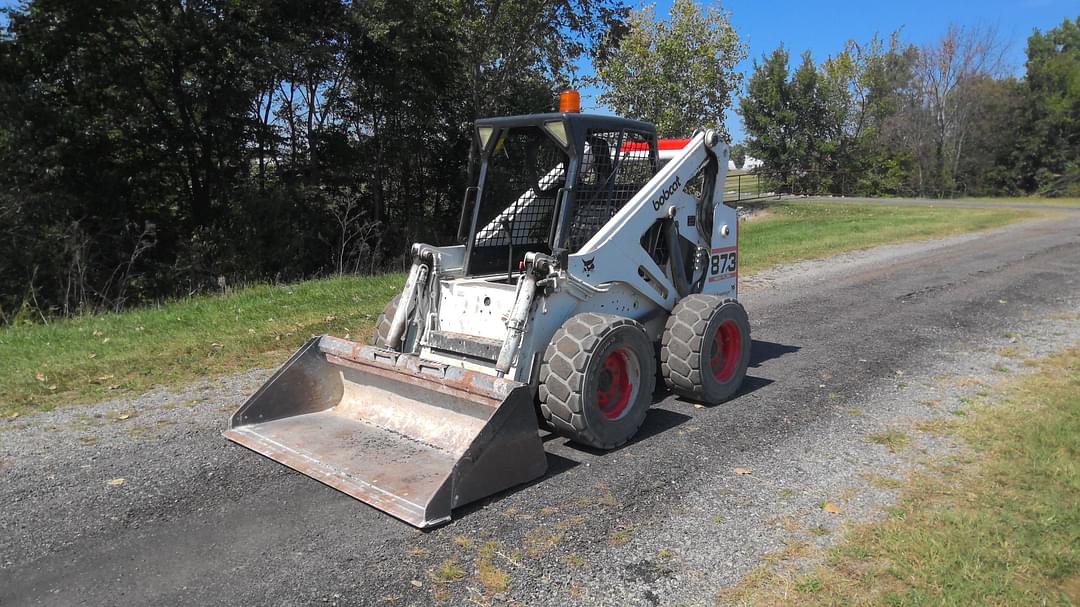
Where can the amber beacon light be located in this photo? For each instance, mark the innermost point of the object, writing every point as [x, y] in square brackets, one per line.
[570, 101]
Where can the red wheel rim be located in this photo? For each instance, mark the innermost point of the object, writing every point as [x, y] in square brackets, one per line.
[615, 387]
[726, 351]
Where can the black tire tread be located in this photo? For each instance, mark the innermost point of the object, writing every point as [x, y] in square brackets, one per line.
[562, 374]
[382, 325]
[682, 345]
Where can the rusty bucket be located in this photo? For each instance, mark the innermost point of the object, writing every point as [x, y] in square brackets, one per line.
[412, 438]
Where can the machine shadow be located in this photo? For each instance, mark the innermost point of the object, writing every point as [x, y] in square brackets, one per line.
[557, 464]
[763, 351]
[656, 422]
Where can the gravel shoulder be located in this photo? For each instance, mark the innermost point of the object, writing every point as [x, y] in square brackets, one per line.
[845, 348]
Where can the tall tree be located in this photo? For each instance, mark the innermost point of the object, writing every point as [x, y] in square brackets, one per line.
[769, 116]
[946, 77]
[1049, 142]
[677, 73]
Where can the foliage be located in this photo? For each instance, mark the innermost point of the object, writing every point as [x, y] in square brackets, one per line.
[153, 149]
[822, 128]
[677, 73]
[886, 118]
[1049, 143]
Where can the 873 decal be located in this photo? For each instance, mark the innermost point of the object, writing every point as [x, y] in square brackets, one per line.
[723, 263]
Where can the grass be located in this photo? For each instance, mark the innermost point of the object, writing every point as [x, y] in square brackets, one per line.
[894, 440]
[999, 526]
[795, 231]
[112, 355]
[1062, 202]
[93, 358]
[449, 571]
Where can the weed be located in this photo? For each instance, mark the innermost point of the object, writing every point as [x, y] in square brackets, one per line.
[621, 536]
[883, 482]
[449, 571]
[575, 560]
[894, 440]
[493, 579]
[937, 427]
[539, 541]
[810, 583]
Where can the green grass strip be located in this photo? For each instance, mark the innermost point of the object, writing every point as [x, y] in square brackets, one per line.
[91, 358]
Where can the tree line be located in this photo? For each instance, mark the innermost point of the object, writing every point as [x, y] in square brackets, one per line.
[156, 148]
[946, 119]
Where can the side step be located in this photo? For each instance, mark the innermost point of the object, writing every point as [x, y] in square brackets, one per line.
[410, 437]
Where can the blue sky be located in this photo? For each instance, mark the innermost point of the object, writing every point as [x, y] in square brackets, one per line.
[824, 27]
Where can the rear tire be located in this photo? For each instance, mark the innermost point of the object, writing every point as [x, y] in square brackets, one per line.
[597, 379]
[706, 348]
[382, 325]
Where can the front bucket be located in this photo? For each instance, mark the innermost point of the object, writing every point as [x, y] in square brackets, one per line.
[412, 438]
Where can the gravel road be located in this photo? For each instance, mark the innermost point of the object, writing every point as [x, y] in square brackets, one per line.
[844, 348]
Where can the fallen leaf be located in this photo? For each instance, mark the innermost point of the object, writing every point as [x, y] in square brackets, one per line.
[93, 355]
[52, 387]
[14, 415]
[105, 341]
[743, 471]
[831, 508]
[40, 376]
[417, 583]
[116, 482]
[123, 416]
[97, 333]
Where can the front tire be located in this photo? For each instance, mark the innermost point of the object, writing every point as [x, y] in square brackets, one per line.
[382, 325]
[597, 379]
[705, 349]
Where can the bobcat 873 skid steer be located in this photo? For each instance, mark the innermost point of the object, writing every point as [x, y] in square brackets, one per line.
[586, 269]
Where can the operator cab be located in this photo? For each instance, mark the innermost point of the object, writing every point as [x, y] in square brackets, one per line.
[548, 182]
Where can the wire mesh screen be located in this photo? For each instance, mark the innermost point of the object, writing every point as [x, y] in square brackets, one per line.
[615, 165]
[524, 175]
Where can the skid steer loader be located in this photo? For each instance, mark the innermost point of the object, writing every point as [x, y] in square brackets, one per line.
[585, 269]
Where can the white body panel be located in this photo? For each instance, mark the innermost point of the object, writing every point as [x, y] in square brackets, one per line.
[612, 273]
